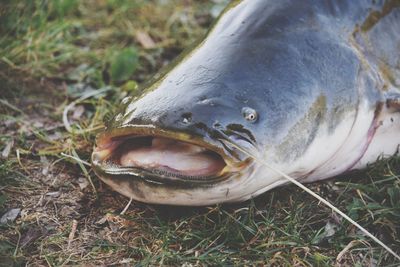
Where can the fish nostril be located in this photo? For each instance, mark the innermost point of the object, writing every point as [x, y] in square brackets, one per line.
[217, 125]
[187, 118]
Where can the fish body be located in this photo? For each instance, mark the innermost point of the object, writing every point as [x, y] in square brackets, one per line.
[309, 87]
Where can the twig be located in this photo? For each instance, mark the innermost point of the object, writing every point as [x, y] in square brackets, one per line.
[72, 233]
[126, 207]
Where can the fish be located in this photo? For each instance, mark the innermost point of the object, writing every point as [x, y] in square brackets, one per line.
[309, 87]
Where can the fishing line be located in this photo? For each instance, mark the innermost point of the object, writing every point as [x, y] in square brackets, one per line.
[327, 203]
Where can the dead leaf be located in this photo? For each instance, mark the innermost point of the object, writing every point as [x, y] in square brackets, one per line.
[45, 164]
[83, 183]
[53, 194]
[7, 150]
[330, 229]
[78, 112]
[10, 216]
[103, 220]
[145, 40]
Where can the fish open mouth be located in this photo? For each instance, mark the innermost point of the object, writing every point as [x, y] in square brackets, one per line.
[161, 159]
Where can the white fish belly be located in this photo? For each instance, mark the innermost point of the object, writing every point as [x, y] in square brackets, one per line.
[386, 140]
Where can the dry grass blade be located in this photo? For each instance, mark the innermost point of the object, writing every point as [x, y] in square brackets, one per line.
[7, 104]
[76, 159]
[75, 155]
[73, 103]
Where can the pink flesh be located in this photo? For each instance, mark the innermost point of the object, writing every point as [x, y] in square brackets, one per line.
[174, 156]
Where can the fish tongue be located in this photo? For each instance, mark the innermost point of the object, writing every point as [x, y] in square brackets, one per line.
[173, 155]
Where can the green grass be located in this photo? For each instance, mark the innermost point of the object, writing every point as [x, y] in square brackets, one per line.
[52, 53]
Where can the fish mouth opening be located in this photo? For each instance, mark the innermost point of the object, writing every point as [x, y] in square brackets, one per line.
[162, 159]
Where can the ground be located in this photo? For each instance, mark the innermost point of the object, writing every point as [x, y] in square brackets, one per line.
[54, 52]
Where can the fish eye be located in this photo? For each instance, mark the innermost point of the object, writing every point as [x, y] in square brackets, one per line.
[249, 114]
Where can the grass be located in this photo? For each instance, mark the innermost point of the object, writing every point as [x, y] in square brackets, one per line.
[54, 52]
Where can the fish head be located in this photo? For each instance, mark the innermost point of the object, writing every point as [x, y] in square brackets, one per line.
[246, 91]
[177, 142]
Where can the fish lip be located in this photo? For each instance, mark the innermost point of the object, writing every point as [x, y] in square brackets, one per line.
[102, 167]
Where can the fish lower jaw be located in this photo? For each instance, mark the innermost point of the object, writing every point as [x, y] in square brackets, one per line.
[153, 192]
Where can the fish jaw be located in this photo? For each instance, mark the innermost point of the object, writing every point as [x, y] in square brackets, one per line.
[150, 174]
